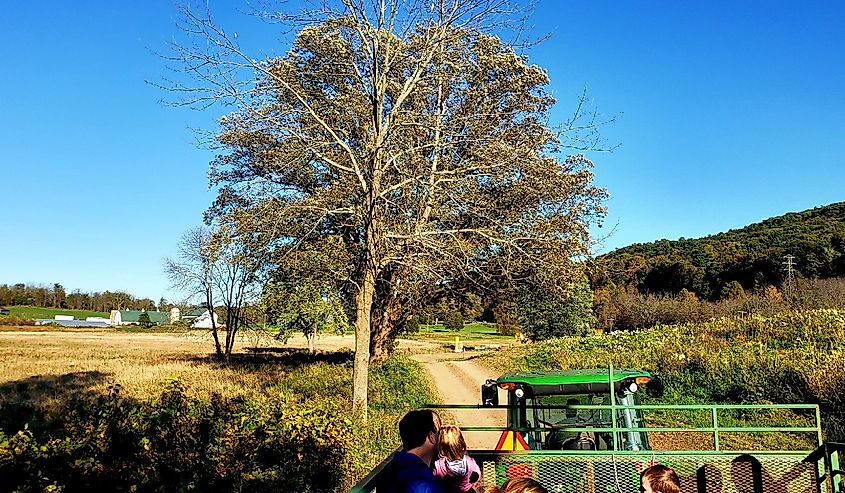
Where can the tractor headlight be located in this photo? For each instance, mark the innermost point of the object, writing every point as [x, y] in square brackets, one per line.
[519, 393]
[633, 387]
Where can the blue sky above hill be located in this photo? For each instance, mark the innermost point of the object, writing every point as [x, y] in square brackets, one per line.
[726, 113]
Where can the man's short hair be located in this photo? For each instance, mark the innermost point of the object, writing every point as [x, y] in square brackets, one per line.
[415, 426]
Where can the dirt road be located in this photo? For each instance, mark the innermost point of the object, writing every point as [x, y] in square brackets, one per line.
[458, 379]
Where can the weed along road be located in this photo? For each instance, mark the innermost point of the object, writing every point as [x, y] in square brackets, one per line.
[458, 380]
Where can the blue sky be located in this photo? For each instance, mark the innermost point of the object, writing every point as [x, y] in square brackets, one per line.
[728, 113]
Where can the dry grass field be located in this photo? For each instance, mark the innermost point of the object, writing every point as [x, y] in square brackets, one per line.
[57, 414]
[47, 368]
[44, 368]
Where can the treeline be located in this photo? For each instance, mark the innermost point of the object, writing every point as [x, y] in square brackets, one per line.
[56, 296]
[753, 256]
[622, 308]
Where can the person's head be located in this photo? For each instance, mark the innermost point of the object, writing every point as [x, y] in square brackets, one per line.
[659, 479]
[452, 444]
[418, 428]
[523, 485]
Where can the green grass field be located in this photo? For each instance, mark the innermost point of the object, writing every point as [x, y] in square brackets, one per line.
[31, 312]
[473, 333]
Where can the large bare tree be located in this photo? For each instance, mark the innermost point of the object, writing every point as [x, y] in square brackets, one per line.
[407, 137]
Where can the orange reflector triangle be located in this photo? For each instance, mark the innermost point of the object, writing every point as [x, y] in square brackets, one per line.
[511, 440]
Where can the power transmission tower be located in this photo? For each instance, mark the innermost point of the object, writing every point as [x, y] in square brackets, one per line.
[790, 268]
[789, 281]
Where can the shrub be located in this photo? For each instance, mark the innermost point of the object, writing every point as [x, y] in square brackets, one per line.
[15, 320]
[454, 321]
[144, 320]
[504, 315]
[177, 443]
[543, 314]
[299, 437]
[412, 326]
[732, 291]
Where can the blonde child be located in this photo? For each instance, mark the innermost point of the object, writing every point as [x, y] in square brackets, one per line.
[457, 471]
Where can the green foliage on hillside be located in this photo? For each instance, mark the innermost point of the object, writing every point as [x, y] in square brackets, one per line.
[300, 436]
[795, 357]
[753, 256]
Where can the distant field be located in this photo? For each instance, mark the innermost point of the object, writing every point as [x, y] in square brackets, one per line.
[30, 312]
[143, 362]
[471, 333]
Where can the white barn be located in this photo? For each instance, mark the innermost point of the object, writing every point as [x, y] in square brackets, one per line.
[203, 321]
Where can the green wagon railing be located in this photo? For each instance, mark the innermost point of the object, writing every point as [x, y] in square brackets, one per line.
[811, 467]
[718, 470]
[715, 428]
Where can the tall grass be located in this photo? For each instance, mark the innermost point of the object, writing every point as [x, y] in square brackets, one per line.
[794, 357]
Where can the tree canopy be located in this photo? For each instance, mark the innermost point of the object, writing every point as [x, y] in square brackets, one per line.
[406, 145]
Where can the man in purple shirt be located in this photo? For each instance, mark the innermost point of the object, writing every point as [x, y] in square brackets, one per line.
[410, 469]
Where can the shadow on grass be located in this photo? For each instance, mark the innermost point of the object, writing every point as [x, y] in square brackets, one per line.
[257, 358]
[39, 401]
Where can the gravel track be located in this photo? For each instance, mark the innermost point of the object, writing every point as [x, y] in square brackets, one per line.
[458, 379]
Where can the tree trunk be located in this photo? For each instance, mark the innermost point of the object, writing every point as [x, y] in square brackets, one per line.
[232, 322]
[386, 319]
[310, 338]
[381, 346]
[209, 305]
[360, 369]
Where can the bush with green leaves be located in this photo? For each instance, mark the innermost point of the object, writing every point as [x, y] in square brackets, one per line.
[454, 321]
[179, 444]
[144, 320]
[412, 326]
[544, 314]
[732, 291]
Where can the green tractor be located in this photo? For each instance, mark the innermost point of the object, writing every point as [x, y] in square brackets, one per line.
[549, 407]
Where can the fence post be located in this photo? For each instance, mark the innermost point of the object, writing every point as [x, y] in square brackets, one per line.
[715, 415]
[617, 442]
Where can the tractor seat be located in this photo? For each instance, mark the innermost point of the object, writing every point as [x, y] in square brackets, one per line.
[582, 441]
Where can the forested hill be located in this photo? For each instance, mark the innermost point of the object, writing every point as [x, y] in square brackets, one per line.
[754, 256]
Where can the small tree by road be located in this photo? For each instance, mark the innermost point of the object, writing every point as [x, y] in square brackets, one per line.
[545, 313]
[303, 308]
[454, 321]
